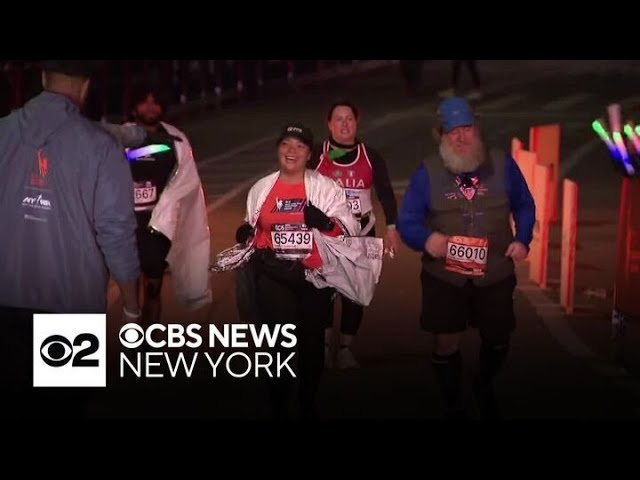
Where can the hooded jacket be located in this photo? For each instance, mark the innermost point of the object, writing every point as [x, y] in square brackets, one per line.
[66, 209]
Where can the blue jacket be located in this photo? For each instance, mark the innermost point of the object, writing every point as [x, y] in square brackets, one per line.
[417, 198]
[66, 209]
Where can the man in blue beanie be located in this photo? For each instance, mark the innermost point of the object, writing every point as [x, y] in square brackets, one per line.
[456, 211]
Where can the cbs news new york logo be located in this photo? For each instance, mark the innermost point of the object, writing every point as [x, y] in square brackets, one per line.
[69, 350]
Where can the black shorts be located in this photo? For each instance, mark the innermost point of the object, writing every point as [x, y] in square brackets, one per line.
[450, 309]
[152, 250]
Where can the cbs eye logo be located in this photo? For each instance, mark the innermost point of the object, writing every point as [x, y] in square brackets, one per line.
[69, 350]
[131, 335]
[57, 351]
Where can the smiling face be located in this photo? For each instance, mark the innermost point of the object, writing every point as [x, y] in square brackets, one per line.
[293, 155]
[343, 125]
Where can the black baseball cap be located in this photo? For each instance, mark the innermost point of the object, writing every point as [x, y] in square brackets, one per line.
[300, 132]
[72, 68]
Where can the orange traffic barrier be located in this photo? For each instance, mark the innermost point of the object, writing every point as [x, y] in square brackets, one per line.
[545, 141]
[569, 239]
[539, 249]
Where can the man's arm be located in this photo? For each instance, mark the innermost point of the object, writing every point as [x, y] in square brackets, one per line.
[129, 136]
[383, 186]
[521, 201]
[115, 222]
[129, 292]
[414, 210]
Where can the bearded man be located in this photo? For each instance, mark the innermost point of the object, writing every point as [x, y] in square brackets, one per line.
[456, 211]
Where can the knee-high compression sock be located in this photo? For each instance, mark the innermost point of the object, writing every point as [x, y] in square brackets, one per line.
[449, 372]
[492, 358]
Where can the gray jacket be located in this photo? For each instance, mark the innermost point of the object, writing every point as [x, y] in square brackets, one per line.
[66, 209]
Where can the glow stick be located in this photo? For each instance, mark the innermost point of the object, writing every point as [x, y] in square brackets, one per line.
[145, 151]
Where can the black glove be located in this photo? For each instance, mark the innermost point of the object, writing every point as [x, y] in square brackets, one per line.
[158, 234]
[315, 218]
[244, 232]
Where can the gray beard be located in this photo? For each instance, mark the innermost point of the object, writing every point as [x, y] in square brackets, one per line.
[462, 164]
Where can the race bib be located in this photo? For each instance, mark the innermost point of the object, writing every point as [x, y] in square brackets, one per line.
[358, 200]
[144, 193]
[353, 200]
[291, 240]
[467, 255]
[354, 205]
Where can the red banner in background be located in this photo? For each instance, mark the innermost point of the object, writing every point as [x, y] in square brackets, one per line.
[627, 289]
